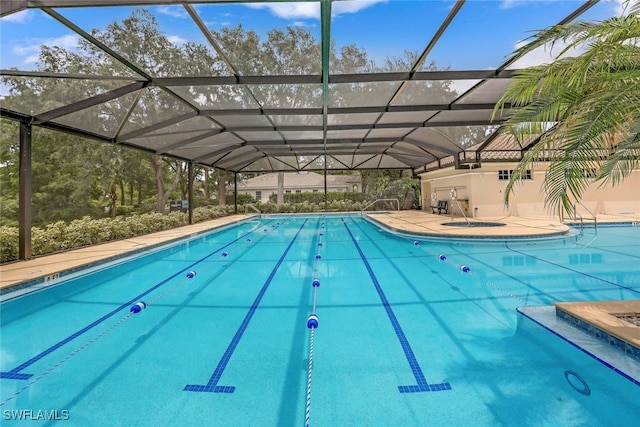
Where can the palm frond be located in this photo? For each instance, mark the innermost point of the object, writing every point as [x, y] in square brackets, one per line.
[591, 100]
[622, 160]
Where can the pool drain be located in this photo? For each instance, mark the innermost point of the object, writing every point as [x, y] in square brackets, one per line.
[577, 382]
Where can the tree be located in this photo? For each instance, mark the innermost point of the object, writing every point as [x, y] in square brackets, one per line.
[9, 165]
[584, 109]
[391, 184]
[160, 165]
[280, 193]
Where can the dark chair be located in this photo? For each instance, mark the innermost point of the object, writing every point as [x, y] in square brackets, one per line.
[442, 206]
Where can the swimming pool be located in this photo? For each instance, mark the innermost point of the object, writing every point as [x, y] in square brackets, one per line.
[405, 336]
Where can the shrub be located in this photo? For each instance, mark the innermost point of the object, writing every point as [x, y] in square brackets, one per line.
[8, 243]
[243, 199]
[61, 236]
[318, 197]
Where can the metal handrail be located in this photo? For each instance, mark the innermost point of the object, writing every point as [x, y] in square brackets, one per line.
[380, 200]
[246, 209]
[461, 211]
[577, 214]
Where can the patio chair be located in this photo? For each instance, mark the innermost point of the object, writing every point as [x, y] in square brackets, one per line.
[442, 206]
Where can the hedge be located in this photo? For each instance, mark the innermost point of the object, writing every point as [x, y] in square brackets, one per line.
[61, 236]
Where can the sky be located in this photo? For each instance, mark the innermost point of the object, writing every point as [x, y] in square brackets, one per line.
[481, 36]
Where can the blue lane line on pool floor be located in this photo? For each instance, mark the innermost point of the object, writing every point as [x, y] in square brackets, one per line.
[212, 385]
[15, 374]
[421, 381]
[506, 245]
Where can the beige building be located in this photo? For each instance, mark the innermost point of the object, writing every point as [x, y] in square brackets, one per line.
[480, 184]
[263, 186]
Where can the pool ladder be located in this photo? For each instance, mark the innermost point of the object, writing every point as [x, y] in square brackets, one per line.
[380, 200]
[248, 206]
[454, 202]
[578, 216]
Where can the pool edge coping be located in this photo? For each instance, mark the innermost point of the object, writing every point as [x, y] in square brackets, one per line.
[57, 275]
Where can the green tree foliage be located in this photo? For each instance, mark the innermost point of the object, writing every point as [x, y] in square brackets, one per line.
[392, 184]
[9, 158]
[71, 177]
[586, 107]
[60, 235]
[74, 178]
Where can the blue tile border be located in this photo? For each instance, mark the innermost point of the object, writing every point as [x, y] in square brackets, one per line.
[625, 347]
[521, 311]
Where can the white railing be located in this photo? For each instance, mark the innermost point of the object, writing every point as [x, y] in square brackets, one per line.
[456, 203]
[380, 200]
[578, 216]
[246, 209]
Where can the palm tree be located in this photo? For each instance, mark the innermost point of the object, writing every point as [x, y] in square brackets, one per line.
[585, 110]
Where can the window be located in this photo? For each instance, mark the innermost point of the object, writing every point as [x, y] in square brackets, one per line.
[298, 191]
[505, 175]
[287, 191]
[258, 195]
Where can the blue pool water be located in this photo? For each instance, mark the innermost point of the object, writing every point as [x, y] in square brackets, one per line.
[404, 338]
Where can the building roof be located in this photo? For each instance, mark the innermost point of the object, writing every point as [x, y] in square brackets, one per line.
[298, 180]
[248, 121]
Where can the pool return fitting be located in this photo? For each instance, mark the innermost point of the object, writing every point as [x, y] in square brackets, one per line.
[313, 322]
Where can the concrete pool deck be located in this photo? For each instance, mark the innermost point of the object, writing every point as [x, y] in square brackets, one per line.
[15, 274]
[50, 267]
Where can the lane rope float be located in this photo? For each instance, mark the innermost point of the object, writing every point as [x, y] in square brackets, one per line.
[313, 320]
[136, 308]
[466, 270]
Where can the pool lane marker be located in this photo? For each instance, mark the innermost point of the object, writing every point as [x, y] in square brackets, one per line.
[467, 271]
[16, 374]
[135, 309]
[212, 385]
[422, 384]
[312, 323]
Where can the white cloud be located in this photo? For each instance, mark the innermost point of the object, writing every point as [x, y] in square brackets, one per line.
[311, 10]
[30, 49]
[300, 24]
[508, 4]
[177, 40]
[342, 7]
[543, 55]
[623, 7]
[174, 11]
[21, 17]
[290, 10]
